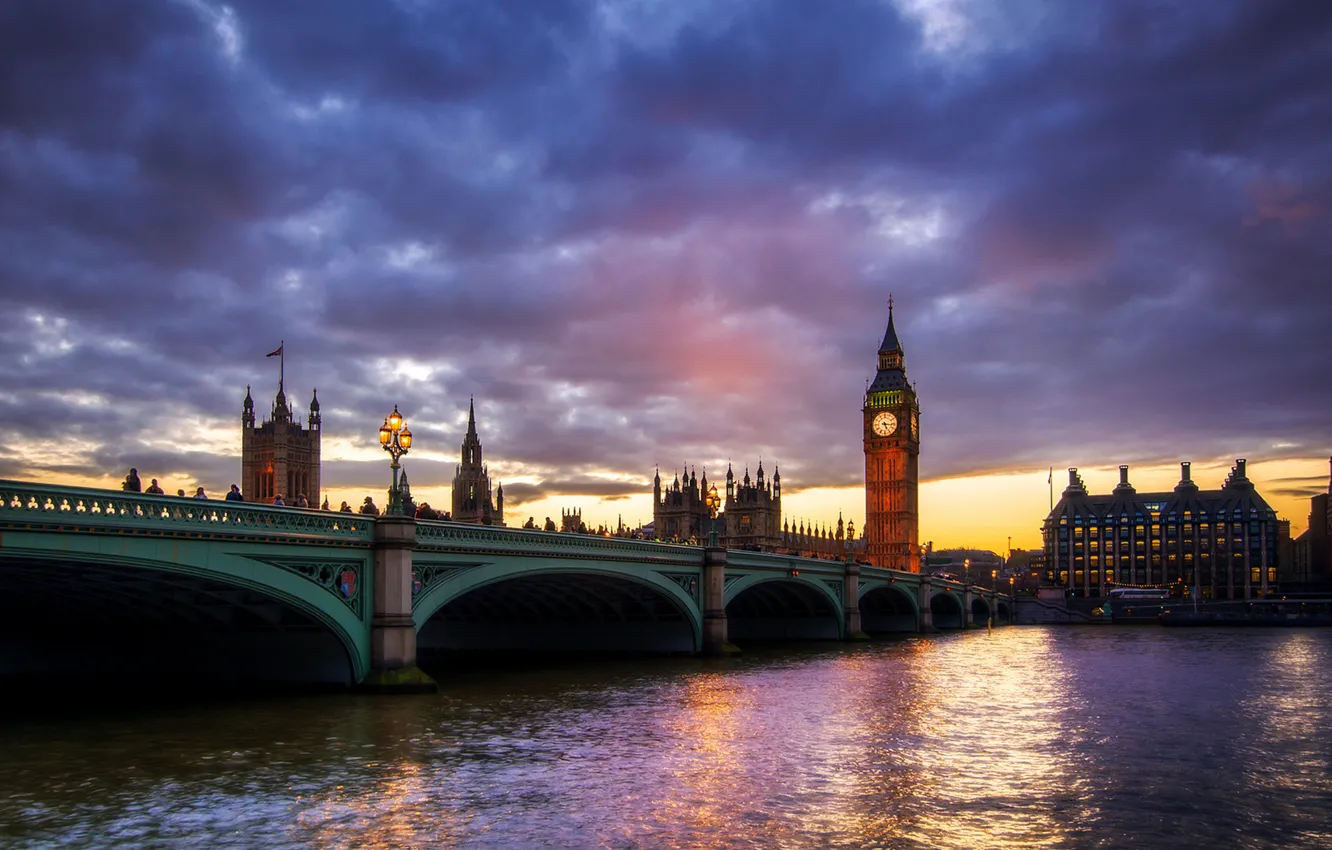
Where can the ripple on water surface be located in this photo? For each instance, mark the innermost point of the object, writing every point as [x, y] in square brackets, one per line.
[1027, 737]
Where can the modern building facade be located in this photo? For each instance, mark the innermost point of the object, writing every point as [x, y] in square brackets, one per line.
[1215, 544]
[891, 428]
[472, 499]
[279, 456]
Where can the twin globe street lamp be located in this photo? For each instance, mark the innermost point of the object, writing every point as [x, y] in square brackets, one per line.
[713, 501]
[396, 438]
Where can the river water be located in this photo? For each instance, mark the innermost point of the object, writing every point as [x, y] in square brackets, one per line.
[1027, 737]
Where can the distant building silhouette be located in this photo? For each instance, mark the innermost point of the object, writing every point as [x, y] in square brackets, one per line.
[1222, 542]
[571, 521]
[472, 501]
[279, 456]
[1311, 552]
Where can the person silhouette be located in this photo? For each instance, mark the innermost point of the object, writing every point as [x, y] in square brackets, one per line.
[131, 483]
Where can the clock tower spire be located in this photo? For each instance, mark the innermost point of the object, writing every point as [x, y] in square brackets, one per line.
[891, 423]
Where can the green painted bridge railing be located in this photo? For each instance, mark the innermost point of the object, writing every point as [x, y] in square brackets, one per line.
[45, 506]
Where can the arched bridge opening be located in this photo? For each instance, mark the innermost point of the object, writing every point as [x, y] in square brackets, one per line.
[559, 612]
[946, 611]
[980, 610]
[888, 609]
[156, 628]
[1003, 612]
[780, 609]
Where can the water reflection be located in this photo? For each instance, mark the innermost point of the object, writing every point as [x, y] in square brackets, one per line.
[1064, 737]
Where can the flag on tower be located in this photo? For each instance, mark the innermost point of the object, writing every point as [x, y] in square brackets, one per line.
[277, 352]
[1049, 479]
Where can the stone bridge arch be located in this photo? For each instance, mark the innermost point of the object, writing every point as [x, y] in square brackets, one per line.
[783, 607]
[888, 607]
[980, 610]
[186, 609]
[534, 604]
[947, 611]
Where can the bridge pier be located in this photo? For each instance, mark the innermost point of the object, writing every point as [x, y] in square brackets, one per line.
[392, 630]
[715, 638]
[926, 612]
[851, 602]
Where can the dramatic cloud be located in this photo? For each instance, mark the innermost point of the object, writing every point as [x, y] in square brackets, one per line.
[645, 234]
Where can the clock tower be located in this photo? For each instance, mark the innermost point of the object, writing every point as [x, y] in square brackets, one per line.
[892, 448]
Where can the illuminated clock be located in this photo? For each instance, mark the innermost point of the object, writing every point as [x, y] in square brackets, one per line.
[915, 425]
[885, 424]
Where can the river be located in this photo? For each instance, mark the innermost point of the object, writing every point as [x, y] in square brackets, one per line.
[1107, 737]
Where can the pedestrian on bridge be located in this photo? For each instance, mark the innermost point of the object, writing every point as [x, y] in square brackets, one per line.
[200, 494]
[154, 489]
[132, 484]
[368, 507]
[234, 495]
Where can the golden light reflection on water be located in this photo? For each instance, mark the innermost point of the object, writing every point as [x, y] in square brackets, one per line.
[1025, 737]
[993, 710]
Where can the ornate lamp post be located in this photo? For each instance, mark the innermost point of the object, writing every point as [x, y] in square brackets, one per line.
[396, 438]
[713, 501]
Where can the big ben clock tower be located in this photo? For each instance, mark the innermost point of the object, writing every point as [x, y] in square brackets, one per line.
[892, 449]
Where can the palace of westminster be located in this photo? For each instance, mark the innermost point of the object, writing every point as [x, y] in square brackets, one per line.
[1225, 543]
[280, 456]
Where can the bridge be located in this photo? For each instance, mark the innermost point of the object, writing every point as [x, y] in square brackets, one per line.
[159, 586]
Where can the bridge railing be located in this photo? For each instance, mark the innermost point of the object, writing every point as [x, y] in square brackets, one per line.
[774, 560]
[84, 508]
[435, 534]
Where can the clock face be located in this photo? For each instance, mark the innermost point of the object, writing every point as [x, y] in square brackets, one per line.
[915, 424]
[885, 424]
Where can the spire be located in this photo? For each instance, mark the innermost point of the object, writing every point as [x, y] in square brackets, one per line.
[248, 404]
[471, 417]
[314, 402]
[890, 341]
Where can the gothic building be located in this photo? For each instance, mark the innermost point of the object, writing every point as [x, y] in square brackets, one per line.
[471, 483]
[679, 512]
[1221, 544]
[891, 428]
[753, 518]
[749, 516]
[808, 541]
[279, 456]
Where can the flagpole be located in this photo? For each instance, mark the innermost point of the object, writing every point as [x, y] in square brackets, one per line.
[282, 362]
[1050, 480]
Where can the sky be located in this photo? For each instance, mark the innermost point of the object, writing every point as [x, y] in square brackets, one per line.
[649, 233]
